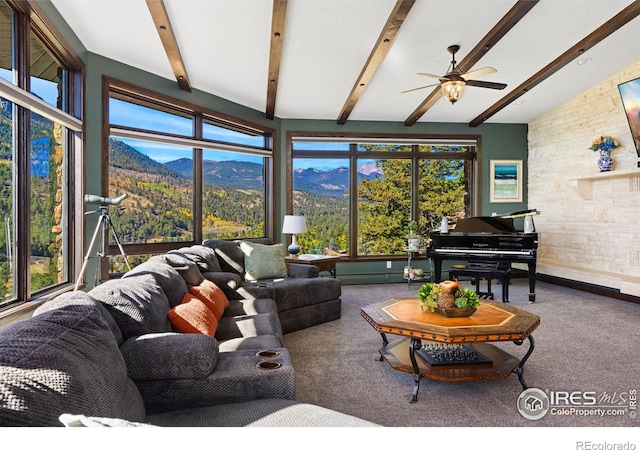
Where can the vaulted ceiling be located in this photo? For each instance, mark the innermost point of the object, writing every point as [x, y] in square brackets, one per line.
[347, 60]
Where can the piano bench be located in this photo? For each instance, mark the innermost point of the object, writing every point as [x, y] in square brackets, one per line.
[484, 273]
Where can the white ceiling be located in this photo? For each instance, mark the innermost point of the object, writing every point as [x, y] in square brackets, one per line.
[225, 48]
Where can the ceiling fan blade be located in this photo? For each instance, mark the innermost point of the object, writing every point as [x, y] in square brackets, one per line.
[486, 84]
[430, 75]
[478, 73]
[418, 88]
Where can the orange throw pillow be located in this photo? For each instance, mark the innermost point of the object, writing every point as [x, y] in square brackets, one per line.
[212, 296]
[193, 316]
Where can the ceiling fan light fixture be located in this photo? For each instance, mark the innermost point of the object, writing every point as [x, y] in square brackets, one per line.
[452, 90]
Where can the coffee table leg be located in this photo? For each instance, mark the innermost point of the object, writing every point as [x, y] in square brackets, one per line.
[520, 369]
[414, 345]
[384, 344]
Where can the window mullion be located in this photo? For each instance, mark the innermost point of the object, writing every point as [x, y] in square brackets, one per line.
[22, 202]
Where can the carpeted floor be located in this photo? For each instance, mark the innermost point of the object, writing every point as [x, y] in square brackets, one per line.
[585, 343]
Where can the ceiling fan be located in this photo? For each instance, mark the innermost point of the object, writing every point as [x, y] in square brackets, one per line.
[453, 83]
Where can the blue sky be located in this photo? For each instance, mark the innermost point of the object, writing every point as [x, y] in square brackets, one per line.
[46, 90]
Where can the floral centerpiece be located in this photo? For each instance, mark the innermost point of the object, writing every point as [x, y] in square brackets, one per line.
[448, 298]
[604, 144]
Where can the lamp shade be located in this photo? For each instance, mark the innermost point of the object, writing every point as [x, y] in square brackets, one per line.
[294, 225]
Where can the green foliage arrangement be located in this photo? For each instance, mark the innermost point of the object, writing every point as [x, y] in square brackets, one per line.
[467, 298]
[429, 293]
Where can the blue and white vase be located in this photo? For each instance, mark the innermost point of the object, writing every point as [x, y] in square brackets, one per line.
[605, 161]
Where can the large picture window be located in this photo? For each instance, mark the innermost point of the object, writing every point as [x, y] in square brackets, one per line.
[360, 194]
[39, 133]
[189, 174]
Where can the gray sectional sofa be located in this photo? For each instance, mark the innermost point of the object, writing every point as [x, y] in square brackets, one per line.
[112, 357]
[303, 298]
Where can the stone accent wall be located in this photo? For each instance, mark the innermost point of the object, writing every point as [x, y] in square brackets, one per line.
[589, 225]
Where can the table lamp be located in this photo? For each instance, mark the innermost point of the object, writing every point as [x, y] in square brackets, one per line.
[293, 225]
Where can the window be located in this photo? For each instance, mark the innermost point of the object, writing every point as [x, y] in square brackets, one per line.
[359, 194]
[189, 174]
[38, 137]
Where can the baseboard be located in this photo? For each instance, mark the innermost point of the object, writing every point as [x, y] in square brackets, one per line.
[586, 287]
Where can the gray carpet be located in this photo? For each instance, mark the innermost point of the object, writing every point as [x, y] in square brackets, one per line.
[585, 342]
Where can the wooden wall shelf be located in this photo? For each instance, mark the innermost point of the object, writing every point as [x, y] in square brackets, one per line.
[584, 185]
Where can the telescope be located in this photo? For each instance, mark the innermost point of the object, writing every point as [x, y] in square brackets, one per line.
[97, 200]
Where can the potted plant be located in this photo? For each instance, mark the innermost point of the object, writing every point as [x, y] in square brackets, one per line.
[448, 298]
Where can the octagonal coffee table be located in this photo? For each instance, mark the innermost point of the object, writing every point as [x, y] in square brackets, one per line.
[456, 348]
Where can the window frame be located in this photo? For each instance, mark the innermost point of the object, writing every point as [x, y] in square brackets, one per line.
[127, 91]
[30, 20]
[353, 155]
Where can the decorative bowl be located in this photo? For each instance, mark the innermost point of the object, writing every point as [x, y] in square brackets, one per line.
[455, 312]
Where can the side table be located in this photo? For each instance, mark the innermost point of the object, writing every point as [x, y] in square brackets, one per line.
[322, 262]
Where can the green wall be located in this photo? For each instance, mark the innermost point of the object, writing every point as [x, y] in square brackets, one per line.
[499, 141]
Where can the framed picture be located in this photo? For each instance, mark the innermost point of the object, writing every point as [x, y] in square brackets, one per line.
[630, 94]
[505, 182]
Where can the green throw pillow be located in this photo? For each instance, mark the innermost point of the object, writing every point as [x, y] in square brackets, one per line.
[263, 261]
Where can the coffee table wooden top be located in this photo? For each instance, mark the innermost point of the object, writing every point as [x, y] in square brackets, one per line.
[491, 322]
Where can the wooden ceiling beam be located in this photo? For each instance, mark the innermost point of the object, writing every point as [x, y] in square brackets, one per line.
[169, 42]
[278, 19]
[377, 55]
[513, 16]
[613, 24]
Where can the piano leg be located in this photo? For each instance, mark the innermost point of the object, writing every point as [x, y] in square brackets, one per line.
[437, 267]
[532, 282]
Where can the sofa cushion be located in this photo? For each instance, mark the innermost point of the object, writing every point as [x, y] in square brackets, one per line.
[81, 298]
[138, 304]
[256, 343]
[291, 293]
[165, 275]
[263, 261]
[193, 316]
[185, 267]
[65, 360]
[250, 306]
[246, 326]
[204, 257]
[227, 281]
[230, 256]
[164, 356]
[212, 296]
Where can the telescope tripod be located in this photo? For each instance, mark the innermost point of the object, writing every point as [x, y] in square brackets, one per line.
[103, 227]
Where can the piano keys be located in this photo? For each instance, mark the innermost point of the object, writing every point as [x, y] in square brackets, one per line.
[487, 240]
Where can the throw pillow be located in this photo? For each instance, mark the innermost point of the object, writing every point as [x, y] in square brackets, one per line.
[80, 420]
[193, 316]
[263, 261]
[212, 296]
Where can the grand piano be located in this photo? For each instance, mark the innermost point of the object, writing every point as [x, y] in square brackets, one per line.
[487, 240]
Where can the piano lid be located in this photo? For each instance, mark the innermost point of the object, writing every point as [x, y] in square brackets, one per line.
[485, 224]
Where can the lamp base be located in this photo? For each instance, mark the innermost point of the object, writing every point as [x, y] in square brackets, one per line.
[294, 249]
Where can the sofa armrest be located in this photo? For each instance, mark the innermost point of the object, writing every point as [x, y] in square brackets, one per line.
[161, 356]
[236, 378]
[302, 270]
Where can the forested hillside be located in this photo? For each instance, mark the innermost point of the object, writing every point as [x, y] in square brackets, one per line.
[43, 169]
